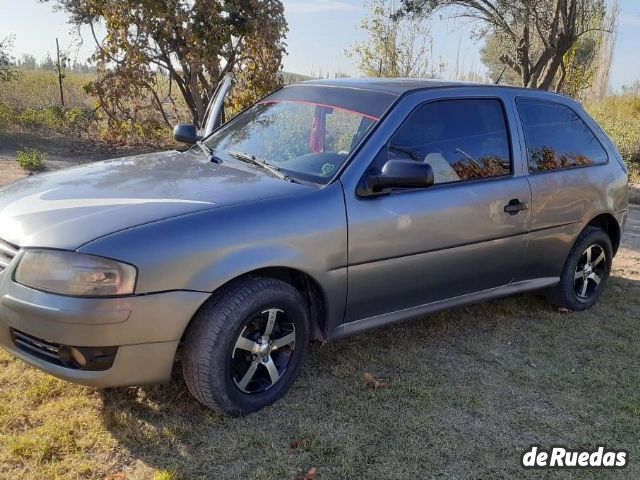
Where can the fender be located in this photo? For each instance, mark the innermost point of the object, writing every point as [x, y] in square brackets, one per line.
[245, 260]
[203, 251]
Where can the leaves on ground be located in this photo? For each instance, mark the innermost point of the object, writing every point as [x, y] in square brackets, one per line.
[373, 383]
[302, 444]
[115, 476]
[312, 474]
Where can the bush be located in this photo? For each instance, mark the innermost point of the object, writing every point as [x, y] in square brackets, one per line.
[31, 160]
[132, 132]
[6, 116]
[619, 116]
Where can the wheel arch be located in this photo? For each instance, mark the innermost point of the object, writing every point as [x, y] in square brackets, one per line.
[306, 284]
[608, 223]
[310, 289]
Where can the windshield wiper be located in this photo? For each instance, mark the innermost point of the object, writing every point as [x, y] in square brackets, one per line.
[247, 157]
[208, 153]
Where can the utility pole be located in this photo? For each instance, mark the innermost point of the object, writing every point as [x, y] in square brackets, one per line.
[60, 74]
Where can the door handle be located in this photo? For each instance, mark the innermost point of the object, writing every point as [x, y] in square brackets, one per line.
[515, 206]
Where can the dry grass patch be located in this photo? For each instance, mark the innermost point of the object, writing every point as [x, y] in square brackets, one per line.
[466, 392]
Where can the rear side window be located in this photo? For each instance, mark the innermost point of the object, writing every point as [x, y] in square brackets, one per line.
[557, 137]
[465, 139]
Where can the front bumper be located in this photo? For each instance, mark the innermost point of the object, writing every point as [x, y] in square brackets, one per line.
[146, 329]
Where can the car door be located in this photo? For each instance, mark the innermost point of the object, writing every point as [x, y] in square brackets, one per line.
[412, 247]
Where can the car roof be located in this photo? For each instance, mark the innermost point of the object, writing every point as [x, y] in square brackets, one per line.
[399, 86]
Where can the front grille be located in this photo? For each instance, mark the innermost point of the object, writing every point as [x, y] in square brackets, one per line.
[7, 252]
[37, 347]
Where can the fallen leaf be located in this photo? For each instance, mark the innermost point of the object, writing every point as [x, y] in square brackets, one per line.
[373, 383]
[303, 444]
[311, 474]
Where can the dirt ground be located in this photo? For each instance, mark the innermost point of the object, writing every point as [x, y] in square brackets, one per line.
[62, 152]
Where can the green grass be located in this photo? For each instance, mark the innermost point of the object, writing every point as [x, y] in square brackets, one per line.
[468, 391]
[39, 88]
[31, 103]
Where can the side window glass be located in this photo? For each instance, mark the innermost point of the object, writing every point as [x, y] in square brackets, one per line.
[557, 137]
[461, 139]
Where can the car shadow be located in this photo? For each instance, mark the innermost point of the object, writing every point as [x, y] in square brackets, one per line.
[462, 377]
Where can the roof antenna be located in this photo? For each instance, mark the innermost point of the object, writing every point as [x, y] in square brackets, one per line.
[497, 82]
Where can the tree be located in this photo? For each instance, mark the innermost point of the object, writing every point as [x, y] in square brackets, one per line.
[48, 63]
[7, 73]
[584, 70]
[604, 58]
[396, 47]
[534, 35]
[192, 43]
[28, 62]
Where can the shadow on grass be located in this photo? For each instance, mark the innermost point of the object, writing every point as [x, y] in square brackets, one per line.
[469, 390]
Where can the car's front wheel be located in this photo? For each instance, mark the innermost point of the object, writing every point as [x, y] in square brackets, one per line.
[245, 347]
[585, 272]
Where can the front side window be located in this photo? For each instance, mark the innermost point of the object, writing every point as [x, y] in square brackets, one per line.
[557, 138]
[306, 140]
[464, 139]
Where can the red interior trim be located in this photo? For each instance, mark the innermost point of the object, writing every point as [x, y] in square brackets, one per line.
[371, 117]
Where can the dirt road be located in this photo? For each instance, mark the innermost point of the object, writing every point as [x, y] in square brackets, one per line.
[631, 237]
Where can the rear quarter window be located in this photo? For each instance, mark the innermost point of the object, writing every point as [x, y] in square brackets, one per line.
[557, 138]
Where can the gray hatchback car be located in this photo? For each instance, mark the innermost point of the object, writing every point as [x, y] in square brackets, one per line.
[325, 209]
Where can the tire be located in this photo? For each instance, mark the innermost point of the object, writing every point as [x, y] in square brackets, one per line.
[230, 334]
[571, 292]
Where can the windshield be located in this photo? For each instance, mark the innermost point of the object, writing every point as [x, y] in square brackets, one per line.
[305, 140]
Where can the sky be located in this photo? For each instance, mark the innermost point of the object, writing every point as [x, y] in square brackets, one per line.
[319, 33]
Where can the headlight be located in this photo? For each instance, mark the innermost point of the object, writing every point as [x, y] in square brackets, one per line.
[76, 274]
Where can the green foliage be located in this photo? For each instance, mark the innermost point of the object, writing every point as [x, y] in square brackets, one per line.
[6, 116]
[39, 88]
[7, 73]
[132, 132]
[48, 119]
[395, 47]
[290, 77]
[534, 36]
[578, 68]
[53, 117]
[31, 160]
[31, 104]
[193, 43]
[620, 117]
[165, 475]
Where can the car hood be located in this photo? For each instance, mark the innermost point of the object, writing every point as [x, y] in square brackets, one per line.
[68, 208]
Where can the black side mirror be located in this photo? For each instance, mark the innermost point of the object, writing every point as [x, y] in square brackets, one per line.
[397, 174]
[186, 133]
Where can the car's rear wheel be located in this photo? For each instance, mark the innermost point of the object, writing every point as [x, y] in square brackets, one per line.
[585, 272]
[244, 348]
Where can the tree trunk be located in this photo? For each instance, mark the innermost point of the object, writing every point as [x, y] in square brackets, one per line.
[564, 45]
[60, 75]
